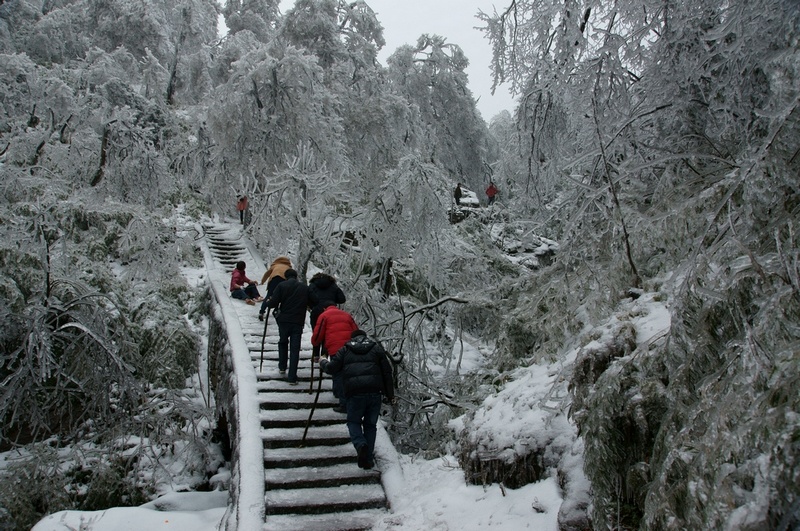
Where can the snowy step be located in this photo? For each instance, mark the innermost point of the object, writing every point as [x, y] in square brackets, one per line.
[220, 241]
[321, 411]
[226, 254]
[227, 258]
[267, 383]
[279, 384]
[272, 355]
[271, 380]
[254, 338]
[316, 436]
[309, 456]
[320, 476]
[254, 342]
[292, 418]
[298, 400]
[269, 371]
[351, 521]
[325, 500]
[218, 244]
[254, 331]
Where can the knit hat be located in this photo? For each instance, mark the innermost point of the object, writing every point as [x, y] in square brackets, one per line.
[357, 333]
[290, 273]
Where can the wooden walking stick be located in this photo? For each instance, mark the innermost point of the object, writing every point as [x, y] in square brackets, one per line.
[313, 406]
[263, 339]
[311, 383]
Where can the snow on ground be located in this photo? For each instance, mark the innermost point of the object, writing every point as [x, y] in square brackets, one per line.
[432, 495]
[425, 496]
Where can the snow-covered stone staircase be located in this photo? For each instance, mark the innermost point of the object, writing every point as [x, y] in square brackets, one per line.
[312, 481]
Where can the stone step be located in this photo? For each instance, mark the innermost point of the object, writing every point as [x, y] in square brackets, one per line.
[226, 252]
[324, 415]
[309, 456]
[350, 521]
[292, 400]
[333, 435]
[325, 499]
[221, 241]
[269, 372]
[320, 476]
[270, 380]
[254, 341]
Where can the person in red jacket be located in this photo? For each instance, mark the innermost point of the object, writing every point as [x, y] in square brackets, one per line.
[241, 206]
[334, 328]
[491, 192]
[242, 287]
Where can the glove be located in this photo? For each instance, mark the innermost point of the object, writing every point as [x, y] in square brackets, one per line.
[260, 316]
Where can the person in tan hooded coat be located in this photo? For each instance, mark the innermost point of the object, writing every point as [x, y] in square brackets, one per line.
[274, 276]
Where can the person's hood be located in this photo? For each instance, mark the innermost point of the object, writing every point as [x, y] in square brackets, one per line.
[361, 344]
[282, 260]
[322, 280]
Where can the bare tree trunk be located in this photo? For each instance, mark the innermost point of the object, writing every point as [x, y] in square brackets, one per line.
[98, 175]
[173, 70]
[637, 281]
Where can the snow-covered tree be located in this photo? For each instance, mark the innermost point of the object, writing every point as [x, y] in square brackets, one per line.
[671, 121]
[447, 129]
[259, 17]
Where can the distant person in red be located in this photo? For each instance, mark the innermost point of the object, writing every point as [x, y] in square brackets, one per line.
[334, 328]
[491, 192]
[241, 206]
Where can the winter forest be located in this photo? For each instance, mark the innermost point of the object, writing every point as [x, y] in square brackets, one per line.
[652, 159]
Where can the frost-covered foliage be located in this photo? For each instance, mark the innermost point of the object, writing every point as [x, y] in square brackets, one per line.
[134, 110]
[125, 470]
[95, 349]
[661, 142]
[733, 419]
[618, 403]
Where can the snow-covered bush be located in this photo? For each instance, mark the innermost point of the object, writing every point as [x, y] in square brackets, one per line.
[726, 455]
[514, 436]
[618, 405]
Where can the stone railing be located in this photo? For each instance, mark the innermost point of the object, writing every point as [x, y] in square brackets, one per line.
[232, 378]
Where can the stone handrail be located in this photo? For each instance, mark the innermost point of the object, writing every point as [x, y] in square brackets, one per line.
[233, 380]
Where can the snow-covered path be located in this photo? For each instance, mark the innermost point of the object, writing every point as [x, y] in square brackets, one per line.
[305, 460]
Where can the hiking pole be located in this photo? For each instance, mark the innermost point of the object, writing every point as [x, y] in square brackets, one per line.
[311, 383]
[313, 406]
[263, 339]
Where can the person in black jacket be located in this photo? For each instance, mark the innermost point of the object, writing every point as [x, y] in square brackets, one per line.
[322, 292]
[291, 299]
[367, 376]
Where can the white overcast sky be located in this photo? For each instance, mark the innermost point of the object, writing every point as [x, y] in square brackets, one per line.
[404, 21]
